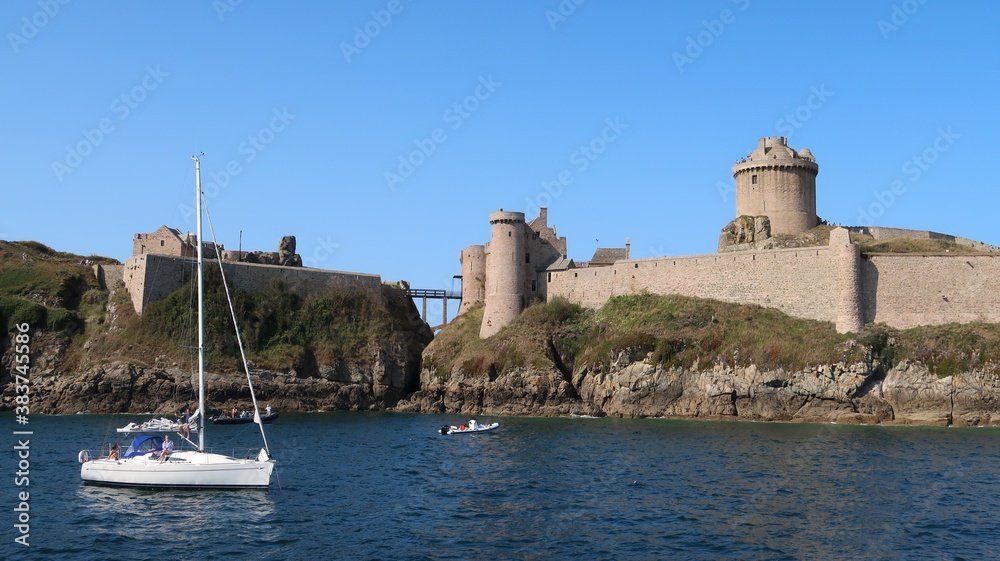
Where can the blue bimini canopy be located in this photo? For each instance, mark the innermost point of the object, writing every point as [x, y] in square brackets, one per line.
[143, 445]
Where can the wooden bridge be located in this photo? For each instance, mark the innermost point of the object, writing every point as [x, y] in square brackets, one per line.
[443, 295]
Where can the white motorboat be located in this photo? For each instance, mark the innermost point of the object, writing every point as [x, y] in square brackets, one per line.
[144, 463]
[471, 427]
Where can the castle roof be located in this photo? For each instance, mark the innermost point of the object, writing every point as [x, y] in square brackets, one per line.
[608, 255]
[560, 264]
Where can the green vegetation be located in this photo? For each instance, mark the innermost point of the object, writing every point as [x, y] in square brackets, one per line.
[280, 329]
[44, 287]
[681, 332]
[909, 245]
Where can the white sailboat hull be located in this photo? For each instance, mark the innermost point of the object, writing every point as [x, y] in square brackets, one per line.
[182, 469]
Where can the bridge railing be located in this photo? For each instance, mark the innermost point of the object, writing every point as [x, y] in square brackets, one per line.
[432, 293]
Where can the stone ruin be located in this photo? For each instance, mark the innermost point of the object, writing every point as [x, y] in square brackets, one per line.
[285, 256]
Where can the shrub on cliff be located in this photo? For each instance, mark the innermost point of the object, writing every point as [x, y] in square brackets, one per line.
[14, 311]
[281, 330]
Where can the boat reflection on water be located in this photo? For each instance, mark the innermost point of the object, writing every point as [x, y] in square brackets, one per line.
[166, 514]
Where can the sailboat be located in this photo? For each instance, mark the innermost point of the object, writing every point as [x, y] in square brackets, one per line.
[141, 465]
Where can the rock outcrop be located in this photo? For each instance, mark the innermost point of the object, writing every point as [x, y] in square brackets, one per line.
[907, 394]
[286, 252]
[746, 232]
[127, 387]
[285, 256]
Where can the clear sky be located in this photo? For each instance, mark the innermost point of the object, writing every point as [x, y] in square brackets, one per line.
[382, 133]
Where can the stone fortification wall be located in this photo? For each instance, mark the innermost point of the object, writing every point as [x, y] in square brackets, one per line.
[906, 290]
[799, 282]
[880, 233]
[152, 277]
[827, 284]
[108, 276]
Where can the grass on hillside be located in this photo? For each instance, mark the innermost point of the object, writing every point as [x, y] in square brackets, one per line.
[695, 333]
[46, 288]
[280, 329]
[910, 245]
[58, 291]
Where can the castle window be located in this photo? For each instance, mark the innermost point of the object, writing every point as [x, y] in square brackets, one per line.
[753, 179]
[550, 277]
[161, 243]
[527, 258]
[534, 286]
[508, 234]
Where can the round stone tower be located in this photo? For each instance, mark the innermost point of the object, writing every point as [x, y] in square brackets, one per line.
[473, 259]
[504, 271]
[780, 183]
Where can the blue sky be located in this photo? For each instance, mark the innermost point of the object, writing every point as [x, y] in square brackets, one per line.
[382, 133]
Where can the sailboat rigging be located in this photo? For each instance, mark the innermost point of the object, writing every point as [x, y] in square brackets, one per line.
[144, 464]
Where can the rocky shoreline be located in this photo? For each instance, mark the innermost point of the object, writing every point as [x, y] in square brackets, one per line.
[906, 394]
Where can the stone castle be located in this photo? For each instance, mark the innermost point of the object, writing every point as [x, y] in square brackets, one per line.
[162, 261]
[775, 200]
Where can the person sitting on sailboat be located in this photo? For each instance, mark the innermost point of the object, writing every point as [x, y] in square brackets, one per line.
[185, 425]
[113, 454]
[168, 448]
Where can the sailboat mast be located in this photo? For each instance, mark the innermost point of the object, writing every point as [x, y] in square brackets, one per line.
[201, 309]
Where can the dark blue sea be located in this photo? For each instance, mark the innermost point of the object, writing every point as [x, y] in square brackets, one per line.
[388, 486]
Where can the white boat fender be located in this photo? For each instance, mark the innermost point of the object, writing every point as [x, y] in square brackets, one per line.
[83, 456]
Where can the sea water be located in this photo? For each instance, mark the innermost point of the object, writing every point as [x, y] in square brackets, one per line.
[389, 486]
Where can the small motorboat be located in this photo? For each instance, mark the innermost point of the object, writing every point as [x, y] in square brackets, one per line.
[242, 419]
[472, 426]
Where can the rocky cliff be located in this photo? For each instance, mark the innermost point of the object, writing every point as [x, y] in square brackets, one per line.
[90, 352]
[872, 384]
[908, 394]
[639, 356]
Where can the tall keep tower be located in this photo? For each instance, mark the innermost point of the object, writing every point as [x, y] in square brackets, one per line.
[505, 271]
[776, 181]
